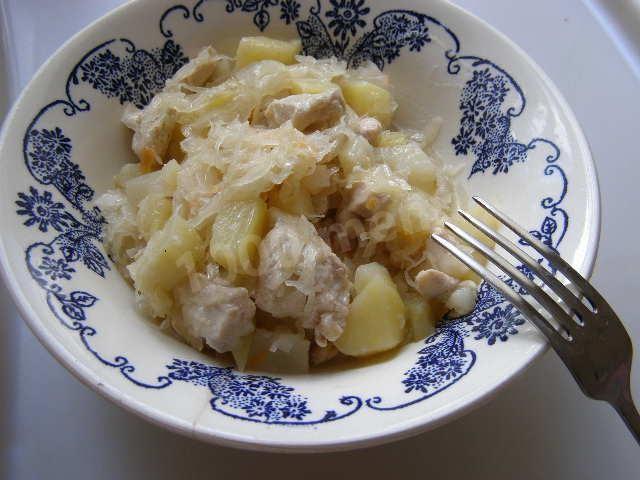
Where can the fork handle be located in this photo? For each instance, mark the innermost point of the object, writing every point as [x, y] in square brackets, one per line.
[628, 412]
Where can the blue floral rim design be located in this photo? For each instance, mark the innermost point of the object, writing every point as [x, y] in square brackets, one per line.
[60, 205]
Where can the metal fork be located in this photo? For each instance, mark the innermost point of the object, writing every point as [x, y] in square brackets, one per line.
[588, 336]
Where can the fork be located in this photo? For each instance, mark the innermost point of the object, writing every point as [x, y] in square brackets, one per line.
[582, 327]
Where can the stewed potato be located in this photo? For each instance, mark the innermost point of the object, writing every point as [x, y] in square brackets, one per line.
[236, 234]
[254, 49]
[376, 320]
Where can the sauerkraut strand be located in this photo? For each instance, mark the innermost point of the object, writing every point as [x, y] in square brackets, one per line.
[275, 213]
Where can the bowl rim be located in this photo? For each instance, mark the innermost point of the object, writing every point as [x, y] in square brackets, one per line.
[417, 425]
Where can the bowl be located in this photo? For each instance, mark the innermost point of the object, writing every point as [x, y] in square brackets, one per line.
[505, 125]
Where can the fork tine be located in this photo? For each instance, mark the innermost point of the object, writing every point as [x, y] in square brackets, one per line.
[547, 278]
[534, 290]
[552, 257]
[517, 300]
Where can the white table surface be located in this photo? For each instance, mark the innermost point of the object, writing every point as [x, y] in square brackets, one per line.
[540, 426]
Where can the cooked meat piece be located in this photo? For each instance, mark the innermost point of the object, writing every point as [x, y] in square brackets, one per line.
[463, 298]
[152, 127]
[208, 68]
[441, 259]
[319, 355]
[456, 295]
[369, 128]
[307, 111]
[214, 311]
[434, 283]
[301, 278]
[364, 202]
[257, 116]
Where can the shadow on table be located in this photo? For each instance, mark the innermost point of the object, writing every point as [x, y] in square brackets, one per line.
[8, 373]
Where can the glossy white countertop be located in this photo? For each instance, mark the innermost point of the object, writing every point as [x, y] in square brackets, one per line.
[540, 426]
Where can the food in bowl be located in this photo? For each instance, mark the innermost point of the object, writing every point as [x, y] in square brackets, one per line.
[275, 213]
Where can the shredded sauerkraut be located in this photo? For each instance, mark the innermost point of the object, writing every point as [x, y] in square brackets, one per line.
[275, 214]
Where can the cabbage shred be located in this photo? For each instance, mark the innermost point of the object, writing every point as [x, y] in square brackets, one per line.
[302, 138]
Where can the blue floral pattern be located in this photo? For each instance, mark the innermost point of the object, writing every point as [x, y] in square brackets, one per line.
[137, 77]
[290, 11]
[491, 99]
[131, 78]
[261, 17]
[485, 125]
[346, 17]
[445, 359]
[392, 31]
[256, 398]
[56, 268]
[497, 324]
[42, 210]
[441, 361]
[49, 160]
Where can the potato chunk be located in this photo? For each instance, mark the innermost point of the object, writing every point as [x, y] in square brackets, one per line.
[365, 273]
[162, 182]
[241, 351]
[153, 212]
[356, 152]
[368, 99]
[280, 352]
[440, 259]
[254, 49]
[390, 139]
[423, 177]
[486, 218]
[294, 199]
[421, 317]
[236, 234]
[376, 320]
[411, 162]
[308, 85]
[415, 216]
[158, 269]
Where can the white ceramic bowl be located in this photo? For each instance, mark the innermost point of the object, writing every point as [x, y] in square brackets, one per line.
[505, 123]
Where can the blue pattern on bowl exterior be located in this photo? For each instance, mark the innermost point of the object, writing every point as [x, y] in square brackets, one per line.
[66, 273]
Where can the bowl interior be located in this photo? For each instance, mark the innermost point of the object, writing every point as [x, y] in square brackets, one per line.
[504, 123]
